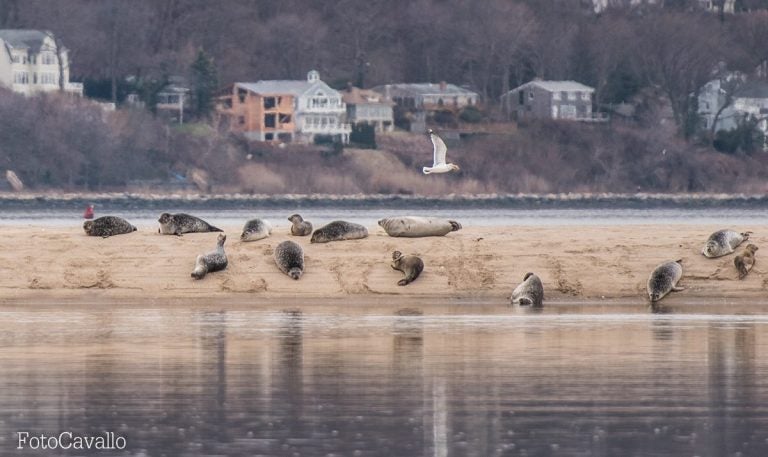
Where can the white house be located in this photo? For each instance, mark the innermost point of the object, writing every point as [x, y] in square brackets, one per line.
[736, 100]
[29, 63]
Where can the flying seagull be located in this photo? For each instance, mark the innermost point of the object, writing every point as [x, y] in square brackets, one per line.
[439, 165]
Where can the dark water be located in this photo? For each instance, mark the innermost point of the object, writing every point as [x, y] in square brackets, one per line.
[347, 380]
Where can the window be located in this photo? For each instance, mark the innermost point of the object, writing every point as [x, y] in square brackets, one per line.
[269, 136]
[48, 78]
[21, 77]
[530, 95]
[269, 102]
[285, 118]
[573, 95]
[49, 58]
[241, 120]
[241, 94]
[555, 95]
[586, 96]
[270, 120]
[521, 98]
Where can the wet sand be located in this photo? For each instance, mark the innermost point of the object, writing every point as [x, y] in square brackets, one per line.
[476, 264]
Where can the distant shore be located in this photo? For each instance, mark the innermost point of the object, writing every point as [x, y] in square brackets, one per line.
[475, 264]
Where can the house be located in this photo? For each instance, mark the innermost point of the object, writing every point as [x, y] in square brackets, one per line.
[550, 100]
[29, 63]
[428, 96]
[723, 104]
[368, 107]
[173, 99]
[286, 110]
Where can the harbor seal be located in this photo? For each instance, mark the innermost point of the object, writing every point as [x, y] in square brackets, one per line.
[410, 265]
[176, 224]
[300, 227]
[416, 226]
[107, 226]
[215, 260]
[723, 242]
[256, 229]
[745, 260]
[530, 292]
[339, 231]
[663, 280]
[289, 257]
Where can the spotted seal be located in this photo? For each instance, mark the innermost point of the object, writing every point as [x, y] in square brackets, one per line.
[107, 226]
[745, 260]
[410, 265]
[289, 257]
[339, 231]
[256, 229]
[723, 242]
[176, 224]
[530, 292]
[300, 227]
[663, 280]
[215, 260]
[417, 226]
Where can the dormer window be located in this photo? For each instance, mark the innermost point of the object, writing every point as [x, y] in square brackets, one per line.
[313, 76]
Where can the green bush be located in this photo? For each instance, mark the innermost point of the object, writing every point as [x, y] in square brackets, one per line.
[471, 115]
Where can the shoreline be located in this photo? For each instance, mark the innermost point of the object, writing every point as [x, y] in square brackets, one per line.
[475, 266]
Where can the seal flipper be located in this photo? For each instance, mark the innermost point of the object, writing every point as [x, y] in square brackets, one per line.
[454, 226]
[214, 229]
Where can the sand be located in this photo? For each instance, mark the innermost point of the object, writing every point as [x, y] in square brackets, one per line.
[475, 264]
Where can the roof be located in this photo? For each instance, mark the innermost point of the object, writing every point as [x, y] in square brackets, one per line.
[357, 96]
[557, 86]
[429, 89]
[278, 86]
[752, 89]
[24, 38]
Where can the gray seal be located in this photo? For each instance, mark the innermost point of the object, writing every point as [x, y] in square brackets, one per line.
[410, 265]
[663, 280]
[723, 242]
[530, 292]
[745, 260]
[107, 226]
[256, 229]
[215, 260]
[300, 227]
[339, 231]
[417, 226]
[289, 257]
[176, 224]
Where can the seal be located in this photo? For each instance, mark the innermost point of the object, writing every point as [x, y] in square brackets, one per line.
[410, 265]
[663, 280]
[176, 224]
[107, 226]
[745, 260]
[530, 292]
[215, 260]
[416, 226]
[339, 231]
[300, 227]
[289, 257]
[723, 242]
[256, 229]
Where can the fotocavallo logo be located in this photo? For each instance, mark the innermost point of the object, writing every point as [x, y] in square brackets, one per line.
[107, 441]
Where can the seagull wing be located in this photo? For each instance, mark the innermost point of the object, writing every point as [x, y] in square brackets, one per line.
[439, 150]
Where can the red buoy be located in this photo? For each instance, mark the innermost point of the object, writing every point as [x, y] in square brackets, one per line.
[88, 214]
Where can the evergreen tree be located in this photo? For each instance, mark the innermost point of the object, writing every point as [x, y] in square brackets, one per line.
[205, 81]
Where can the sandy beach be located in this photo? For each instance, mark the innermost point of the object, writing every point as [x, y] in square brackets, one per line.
[480, 264]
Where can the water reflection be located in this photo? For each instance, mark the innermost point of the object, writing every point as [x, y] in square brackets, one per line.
[406, 382]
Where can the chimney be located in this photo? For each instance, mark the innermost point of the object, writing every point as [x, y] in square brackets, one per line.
[443, 86]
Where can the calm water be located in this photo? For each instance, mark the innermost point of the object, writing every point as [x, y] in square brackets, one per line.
[318, 380]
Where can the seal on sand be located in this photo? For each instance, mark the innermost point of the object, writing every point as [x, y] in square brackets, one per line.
[416, 226]
[176, 224]
[339, 231]
[723, 242]
[289, 257]
[410, 265]
[256, 229]
[663, 280]
[530, 292]
[107, 226]
[745, 260]
[300, 227]
[213, 261]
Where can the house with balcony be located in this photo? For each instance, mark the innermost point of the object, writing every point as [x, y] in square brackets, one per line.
[539, 99]
[29, 63]
[368, 107]
[286, 110]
